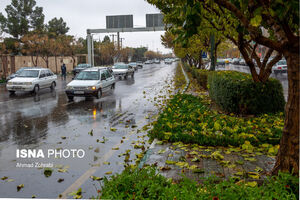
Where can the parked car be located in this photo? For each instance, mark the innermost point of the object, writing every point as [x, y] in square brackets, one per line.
[122, 70]
[32, 80]
[91, 82]
[16, 73]
[236, 61]
[133, 65]
[139, 64]
[80, 67]
[280, 67]
[242, 62]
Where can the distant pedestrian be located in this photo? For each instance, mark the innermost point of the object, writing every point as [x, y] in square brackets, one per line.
[63, 71]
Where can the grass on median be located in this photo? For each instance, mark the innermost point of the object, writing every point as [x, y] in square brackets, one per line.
[189, 119]
[179, 79]
[146, 183]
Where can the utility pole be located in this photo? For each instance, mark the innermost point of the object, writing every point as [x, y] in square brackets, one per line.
[113, 38]
[118, 35]
[122, 42]
[89, 45]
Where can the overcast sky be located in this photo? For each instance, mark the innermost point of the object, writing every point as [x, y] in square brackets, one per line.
[90, 14]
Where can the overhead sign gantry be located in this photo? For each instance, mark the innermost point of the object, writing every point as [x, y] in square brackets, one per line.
[123, 23]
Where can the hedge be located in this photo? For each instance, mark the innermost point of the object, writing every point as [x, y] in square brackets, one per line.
[236, 92]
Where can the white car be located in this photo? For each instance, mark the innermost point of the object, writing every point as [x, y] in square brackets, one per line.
[133, 65]
[32, 80]
[91, 82]
[123, 70]
[168, 61]
[242, 62]
[139, 64]
[149, 62]
[280, 67]
[156, 61]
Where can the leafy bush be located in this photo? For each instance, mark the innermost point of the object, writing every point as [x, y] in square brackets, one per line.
[188, 119]
[236, 92]
[147, 184]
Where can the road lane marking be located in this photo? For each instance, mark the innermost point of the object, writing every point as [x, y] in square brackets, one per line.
[84, 177]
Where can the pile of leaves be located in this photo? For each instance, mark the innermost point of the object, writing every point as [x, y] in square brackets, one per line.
[145, 183]
[189, 119]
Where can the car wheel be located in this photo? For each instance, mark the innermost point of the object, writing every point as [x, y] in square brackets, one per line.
[53, 84]
[36, 89]
[11, 92]
[99, 94]
[125, 77]
[113, 86]
[71, 98]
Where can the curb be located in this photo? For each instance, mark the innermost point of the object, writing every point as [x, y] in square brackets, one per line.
[147, 154]
[186, 78]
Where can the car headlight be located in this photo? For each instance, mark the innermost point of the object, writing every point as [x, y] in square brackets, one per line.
[69, 88]
[92, 88]
[28, 83]
[9, 83]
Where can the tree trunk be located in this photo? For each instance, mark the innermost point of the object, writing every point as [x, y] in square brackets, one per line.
[288, 155]
[200, 61]
[34, 61]
[248, 61]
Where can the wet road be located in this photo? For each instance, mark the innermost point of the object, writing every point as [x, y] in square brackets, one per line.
[104, 129]
[282, 77]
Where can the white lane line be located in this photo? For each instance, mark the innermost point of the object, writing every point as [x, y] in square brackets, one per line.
[91, 171]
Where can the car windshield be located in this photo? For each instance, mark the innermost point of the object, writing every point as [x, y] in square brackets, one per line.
[20, 70]
[282, 62]
[120, 67]
[29, 73]
[88, 75]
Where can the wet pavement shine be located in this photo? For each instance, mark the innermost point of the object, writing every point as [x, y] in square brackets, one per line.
[103, 129]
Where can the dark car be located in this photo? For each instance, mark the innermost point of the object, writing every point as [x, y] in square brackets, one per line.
[16, 74]
[80, 67]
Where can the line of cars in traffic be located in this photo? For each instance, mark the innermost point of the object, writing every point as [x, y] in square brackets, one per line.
[166, 61]
[88, 81]
[279, 67]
